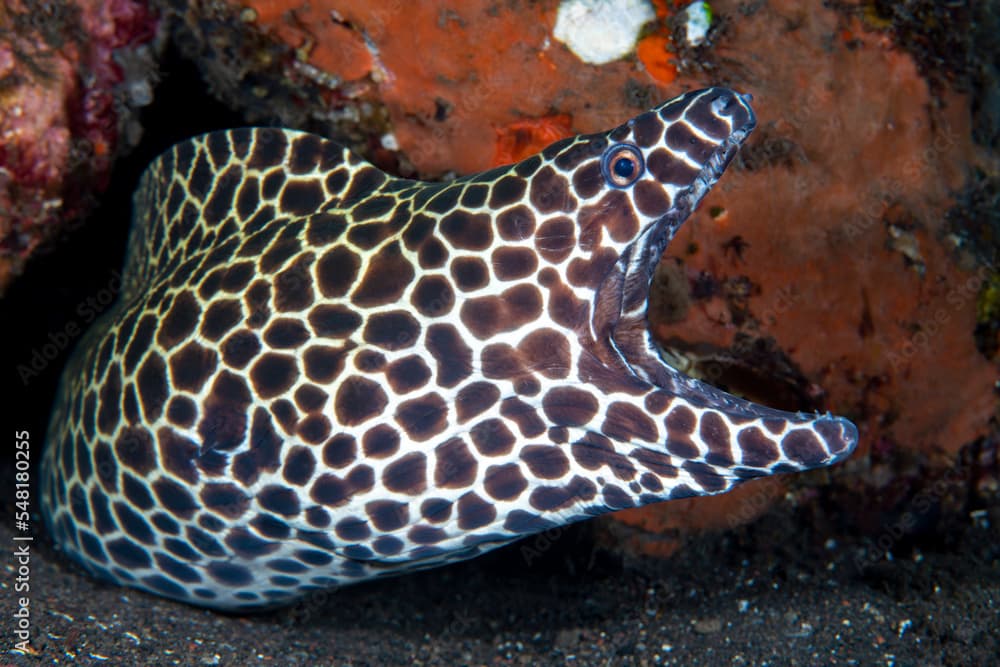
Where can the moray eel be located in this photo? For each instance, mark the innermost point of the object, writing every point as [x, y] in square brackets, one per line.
[317, 374]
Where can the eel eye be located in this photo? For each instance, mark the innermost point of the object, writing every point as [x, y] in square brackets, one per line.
[622, 165]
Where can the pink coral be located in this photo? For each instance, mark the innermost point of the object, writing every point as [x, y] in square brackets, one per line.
[59, 120]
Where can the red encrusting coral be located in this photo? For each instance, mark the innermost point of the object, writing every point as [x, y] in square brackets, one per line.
[450, 77]
[654, 53]
[524, 138]
[840, 203]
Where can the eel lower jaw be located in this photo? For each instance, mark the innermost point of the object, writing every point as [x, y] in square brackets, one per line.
[839, 436]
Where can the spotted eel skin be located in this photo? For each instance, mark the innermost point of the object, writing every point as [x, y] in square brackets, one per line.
[318, 374]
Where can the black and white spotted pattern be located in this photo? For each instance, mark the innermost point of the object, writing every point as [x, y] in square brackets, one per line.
[318, 374]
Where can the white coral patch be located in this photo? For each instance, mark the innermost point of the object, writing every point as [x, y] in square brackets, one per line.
[599, 31]
[697, 20]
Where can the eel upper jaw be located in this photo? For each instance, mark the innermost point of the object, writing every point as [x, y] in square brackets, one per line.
[654, 240]
[629, 283]
[630, 336]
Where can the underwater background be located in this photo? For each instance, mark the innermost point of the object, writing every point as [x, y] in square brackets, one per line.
[847, 262]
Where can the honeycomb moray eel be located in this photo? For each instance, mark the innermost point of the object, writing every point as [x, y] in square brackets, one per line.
[318, 374]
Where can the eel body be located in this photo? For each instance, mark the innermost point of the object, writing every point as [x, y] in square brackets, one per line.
[317, 374]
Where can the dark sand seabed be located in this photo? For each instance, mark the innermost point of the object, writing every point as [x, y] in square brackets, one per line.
[779, 592]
